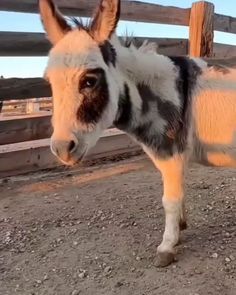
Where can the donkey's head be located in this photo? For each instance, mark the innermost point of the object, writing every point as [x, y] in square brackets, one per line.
[82, 77]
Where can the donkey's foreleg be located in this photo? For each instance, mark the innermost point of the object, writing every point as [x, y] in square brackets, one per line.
[172, 171]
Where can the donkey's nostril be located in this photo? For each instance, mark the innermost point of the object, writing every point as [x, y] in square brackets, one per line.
[71, 146]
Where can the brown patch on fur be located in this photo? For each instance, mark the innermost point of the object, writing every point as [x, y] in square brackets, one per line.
[95, 99]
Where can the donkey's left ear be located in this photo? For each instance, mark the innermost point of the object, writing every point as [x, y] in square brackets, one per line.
[105, 20]
[54, 23]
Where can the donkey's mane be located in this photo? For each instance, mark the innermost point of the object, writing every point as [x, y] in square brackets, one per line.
[80, 24]
[127, 41]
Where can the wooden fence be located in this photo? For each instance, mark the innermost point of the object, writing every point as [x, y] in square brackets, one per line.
[24, 144]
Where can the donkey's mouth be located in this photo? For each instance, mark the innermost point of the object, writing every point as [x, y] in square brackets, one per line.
[74, 159]
[81, 157]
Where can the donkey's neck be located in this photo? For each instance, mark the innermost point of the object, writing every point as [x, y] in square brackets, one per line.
[155, 97]
[143, 64]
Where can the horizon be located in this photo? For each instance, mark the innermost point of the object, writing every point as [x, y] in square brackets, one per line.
[34, 66]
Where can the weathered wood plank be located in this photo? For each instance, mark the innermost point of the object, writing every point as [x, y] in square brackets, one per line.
[225, 23]
[28, 44]
[201, 32]
[19, 107]
[25, 129]
[228, 62]
[20, 88]
[130, 10]
[223, 50]
[34, 156]
[35, 44]
[16, 88]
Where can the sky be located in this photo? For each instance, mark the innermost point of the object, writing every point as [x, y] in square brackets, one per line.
[34, 66]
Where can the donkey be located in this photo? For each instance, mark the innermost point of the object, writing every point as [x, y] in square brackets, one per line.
[178, 109]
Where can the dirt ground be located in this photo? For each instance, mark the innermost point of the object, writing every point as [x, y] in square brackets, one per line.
[94, 231]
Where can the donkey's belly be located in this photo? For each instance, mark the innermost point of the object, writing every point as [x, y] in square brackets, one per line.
[213, 155]
[214, 140]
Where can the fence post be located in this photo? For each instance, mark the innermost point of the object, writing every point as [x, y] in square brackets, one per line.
[32, 106]
[201, 29]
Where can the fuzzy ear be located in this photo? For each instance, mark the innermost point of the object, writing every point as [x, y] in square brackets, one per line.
[105, 20]
[54, 23]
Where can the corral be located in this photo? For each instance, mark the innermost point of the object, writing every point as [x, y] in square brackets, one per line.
[94, 229]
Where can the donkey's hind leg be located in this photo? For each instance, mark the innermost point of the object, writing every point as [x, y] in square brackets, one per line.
[172, 170]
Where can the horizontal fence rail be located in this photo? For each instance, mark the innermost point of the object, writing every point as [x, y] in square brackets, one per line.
[35, 44]
[35, 155]
[130, 10]
[23, 88]
[25, 129]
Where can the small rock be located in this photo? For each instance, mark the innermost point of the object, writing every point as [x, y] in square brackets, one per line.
[75, 292]
[122, 225]
[118, 284]
[198, 271]
[227, 259]
[75, 243]
[39, 282]
[232, 258]
[83, 274]
[107, 269]
[214, 255]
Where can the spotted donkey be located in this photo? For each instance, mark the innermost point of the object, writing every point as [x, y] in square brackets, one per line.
[177, 108]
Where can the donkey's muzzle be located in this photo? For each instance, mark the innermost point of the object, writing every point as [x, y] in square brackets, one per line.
[64, 150]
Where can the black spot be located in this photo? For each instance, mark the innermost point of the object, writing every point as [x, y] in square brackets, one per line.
[163, 144]
[95, 99]
[219, 68]
[108, 53]
[166, 109]
[186, 82]
[124, 114]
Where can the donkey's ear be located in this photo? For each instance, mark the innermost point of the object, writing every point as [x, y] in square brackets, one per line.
[105, 19]
[54, 23]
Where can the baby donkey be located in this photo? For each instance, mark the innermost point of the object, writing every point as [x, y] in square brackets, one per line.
[177, 108]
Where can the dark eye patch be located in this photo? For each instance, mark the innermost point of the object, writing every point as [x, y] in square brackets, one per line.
[93, 87]
[90, 79]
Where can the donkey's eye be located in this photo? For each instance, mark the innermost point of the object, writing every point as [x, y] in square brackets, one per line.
[89, 82]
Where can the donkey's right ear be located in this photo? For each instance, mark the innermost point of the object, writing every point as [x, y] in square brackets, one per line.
[105, 20]
[54, 23]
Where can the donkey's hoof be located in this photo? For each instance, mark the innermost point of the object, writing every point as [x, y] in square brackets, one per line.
[183, 225]
[164, 258]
